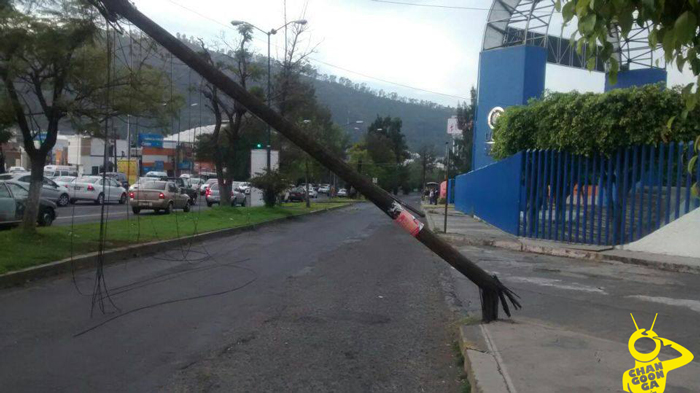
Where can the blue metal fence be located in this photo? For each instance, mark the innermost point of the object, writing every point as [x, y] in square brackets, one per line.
[489, 193]
[603, 199]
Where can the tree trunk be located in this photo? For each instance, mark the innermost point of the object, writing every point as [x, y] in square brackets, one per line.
[224, 196]
[2, 161]
[306, 180]
[491, 288]
[31, 210]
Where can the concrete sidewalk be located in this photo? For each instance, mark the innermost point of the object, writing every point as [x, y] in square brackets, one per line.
[571, 335]
[463, 229]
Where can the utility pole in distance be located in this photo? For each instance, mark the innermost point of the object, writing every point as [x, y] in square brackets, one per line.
[447, 183]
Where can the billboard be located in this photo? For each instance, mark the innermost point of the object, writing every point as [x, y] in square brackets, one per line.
[150, 140]
[130, 167]
[452, 127]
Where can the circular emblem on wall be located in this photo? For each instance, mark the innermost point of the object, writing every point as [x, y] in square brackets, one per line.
[495, 113]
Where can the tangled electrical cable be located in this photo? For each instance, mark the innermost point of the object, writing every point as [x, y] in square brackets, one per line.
[101, 293]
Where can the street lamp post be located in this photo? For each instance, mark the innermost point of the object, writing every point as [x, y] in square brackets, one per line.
[269, 71]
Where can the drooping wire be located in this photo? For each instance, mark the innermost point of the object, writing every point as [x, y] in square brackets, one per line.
[100, 289]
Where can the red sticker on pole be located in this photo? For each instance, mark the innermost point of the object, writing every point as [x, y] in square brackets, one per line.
[409, 223]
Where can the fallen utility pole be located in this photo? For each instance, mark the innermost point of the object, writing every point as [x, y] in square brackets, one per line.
[491, 289]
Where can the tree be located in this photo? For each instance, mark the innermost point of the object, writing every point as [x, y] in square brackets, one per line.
[462, 159]
[223, 147]
[55, 67]
[386, 146]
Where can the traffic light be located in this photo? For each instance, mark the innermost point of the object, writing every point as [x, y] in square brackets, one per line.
[259, 145]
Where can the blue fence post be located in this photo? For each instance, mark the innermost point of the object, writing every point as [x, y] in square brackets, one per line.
[642, 191]
[679, 179]
[625, 190]
[594, 196]
[600, 198]
[531, 204]
[635, 165]
[545, 190]
[552, 191]
[540, 155]
[585, 200]
[651, 190]
[688, 176]
[608, 197]
[560, 192]
[659, 185]
[526, 180]
[578, 198]
[669, 182]
[572, 171]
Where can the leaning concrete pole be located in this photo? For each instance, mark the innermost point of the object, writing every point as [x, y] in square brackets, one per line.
[492, 290]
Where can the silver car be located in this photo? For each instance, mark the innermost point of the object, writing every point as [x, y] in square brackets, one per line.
[159, 196]
[213, 196]
[50, 189]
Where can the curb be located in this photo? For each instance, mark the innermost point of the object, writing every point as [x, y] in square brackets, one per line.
[480, 363]
[20, 277]
[516, 245]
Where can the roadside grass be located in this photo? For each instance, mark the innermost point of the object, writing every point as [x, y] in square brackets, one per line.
[19, 251]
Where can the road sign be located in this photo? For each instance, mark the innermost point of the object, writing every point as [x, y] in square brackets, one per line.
[375, 180]
[453, 127]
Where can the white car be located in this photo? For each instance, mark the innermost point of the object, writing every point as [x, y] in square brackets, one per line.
[324, 189]
[156, 174]
[342, 192]
[312, 193]
[16, 169]
[90, 188]
[64, 181]
[204, 187]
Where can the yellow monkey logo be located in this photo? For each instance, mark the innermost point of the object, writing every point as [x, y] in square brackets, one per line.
[649, 373]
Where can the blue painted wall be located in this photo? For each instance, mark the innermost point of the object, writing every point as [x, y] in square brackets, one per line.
[637, 78]
[493, 193]
[507, 77]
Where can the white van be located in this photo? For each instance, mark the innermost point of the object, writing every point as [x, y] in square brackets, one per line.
[54, 171]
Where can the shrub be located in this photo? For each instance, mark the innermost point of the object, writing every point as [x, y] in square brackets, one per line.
[585, 123]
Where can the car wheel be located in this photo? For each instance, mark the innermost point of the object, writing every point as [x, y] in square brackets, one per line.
[63, 200]
[46, 218]
[186, 209]
[136, 210]
[209, 204]
[122, 200]
[168, 209]
[193, 200]
[100, 199]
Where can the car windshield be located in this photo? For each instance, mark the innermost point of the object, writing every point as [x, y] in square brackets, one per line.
[6, 176]
[154, 185]
[214, 187]
[65, 179]
[49, 173]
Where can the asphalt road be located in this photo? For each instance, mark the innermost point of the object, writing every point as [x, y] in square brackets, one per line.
[593, 298]
[343, 301]
[83, 212]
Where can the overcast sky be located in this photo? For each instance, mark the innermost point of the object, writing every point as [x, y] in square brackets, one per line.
[435, 51]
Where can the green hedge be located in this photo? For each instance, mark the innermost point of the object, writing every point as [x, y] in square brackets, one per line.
[585, 123]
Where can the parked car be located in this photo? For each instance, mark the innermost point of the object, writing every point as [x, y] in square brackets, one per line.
[342, 193]
[13, 200]
[49, 190]
[54, 171]
[213, 196]
[16, 169]
[183, 182]
[324, 189]
[91, 188]
[312, 193]
[159, 195]
[295, 195]
[244, 187]
[197, 182]
[65, 181]
[156, 174]
[204, 187]
[119, 177]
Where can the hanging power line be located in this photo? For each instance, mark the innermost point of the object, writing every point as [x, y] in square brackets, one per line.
[453, 7]
[327, 63]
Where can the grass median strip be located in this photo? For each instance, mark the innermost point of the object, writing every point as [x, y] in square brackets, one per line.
[19, 251]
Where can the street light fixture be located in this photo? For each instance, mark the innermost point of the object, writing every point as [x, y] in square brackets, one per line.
[269, 68]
